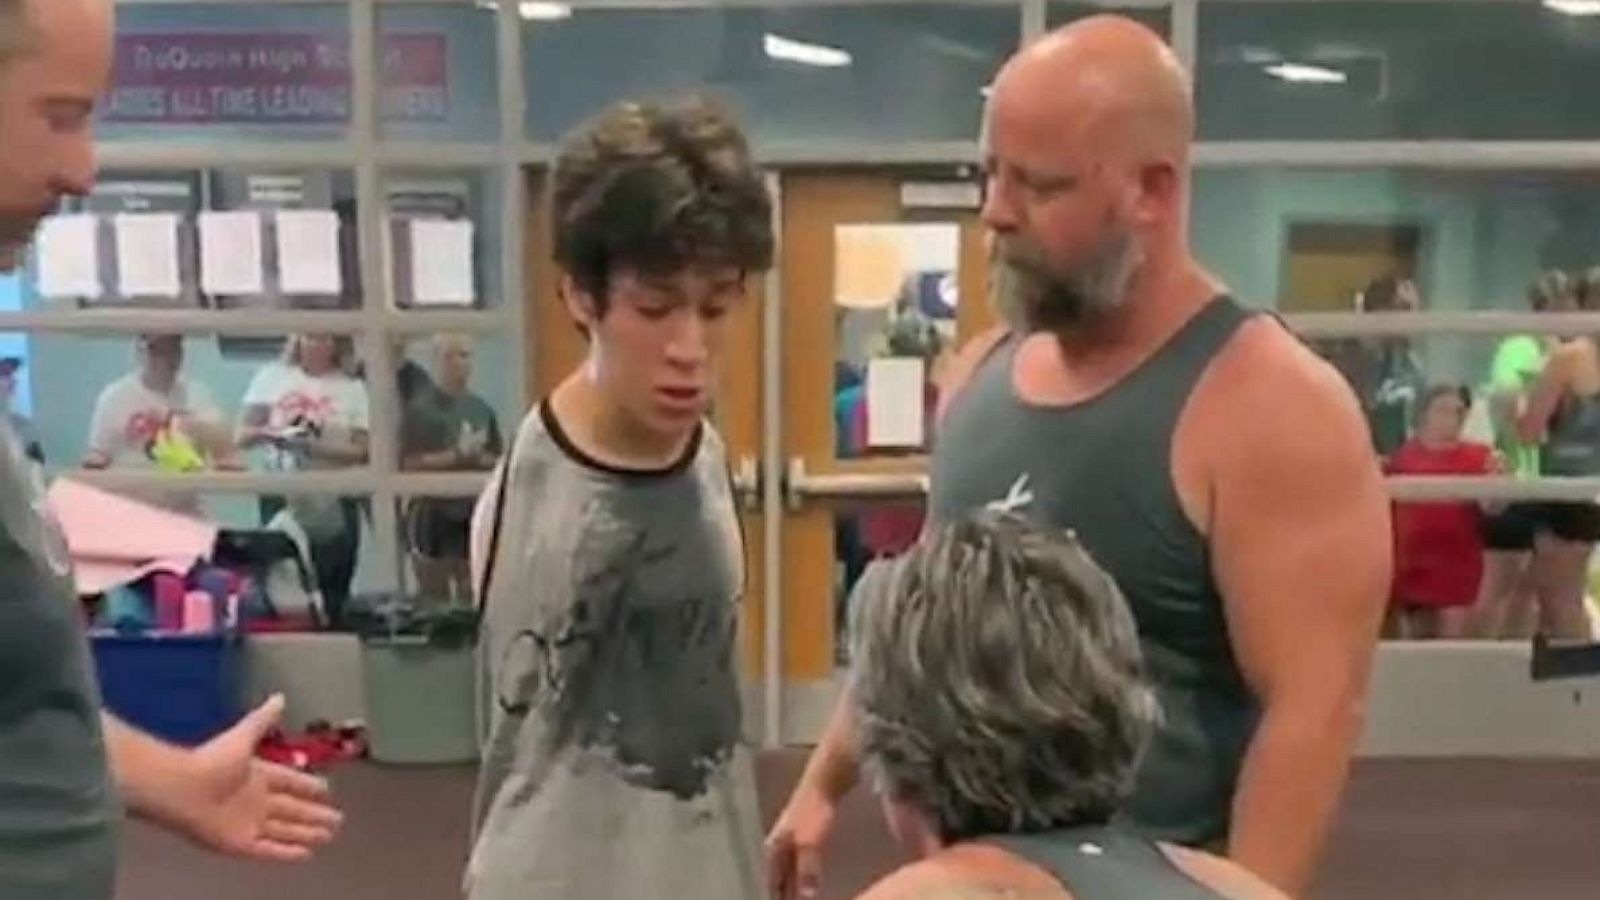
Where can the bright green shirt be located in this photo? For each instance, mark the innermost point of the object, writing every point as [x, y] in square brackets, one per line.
[1517, 363]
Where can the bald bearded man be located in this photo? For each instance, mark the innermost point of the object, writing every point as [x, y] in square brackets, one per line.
[66, 769]
[1219, 470]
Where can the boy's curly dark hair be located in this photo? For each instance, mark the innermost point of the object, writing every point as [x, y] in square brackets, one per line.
[654, 188]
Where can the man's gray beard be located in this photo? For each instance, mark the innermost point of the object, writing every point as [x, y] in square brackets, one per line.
[1030, 299]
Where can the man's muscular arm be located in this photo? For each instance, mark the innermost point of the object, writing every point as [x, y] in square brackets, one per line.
[1300, 538]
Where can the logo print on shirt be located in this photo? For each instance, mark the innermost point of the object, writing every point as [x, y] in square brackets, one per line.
[1018, 497]
[143, 426]
[297, 406]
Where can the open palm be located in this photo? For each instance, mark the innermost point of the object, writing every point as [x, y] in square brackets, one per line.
[249, 807]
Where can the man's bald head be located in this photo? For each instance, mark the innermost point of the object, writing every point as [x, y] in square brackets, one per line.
[1106, 78]
[1086, 142]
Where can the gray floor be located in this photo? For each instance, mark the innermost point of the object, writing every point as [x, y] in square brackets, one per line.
[1414, 830]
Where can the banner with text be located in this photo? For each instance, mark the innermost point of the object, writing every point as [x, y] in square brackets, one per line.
[288, 78]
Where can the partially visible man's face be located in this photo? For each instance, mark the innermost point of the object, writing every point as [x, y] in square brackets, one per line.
[47, 96]
[161, 356]
[453, 363]
[1054, 202]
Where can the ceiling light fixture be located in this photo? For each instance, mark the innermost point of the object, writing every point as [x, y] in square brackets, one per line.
[1574, 7]
[1299, 73]
[790, 50]
[533, 10]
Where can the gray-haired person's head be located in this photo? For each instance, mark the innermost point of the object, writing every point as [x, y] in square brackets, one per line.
[998, 683]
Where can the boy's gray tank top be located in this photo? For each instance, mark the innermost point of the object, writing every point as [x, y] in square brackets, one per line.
[614, 765]
[1105, 863]
[1103, 468]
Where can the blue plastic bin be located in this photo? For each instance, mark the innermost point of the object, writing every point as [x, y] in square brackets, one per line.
[186, 688]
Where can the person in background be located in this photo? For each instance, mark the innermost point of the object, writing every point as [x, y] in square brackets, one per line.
[410, 378]
[308, 412]
[153, 409]
[22, 427]
[446, 428]
[70, 767]
[1386, 376]
[1000, 752]
[1562, 414]
[1438, 545]
[1507, 603]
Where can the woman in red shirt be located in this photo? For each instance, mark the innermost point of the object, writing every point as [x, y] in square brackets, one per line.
[1438, 544]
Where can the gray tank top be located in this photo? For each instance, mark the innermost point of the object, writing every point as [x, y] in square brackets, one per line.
[614, 764]
[1104, 468]
[1105, 863]
[1572, 447]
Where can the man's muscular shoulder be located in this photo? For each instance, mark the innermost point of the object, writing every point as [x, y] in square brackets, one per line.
[1265, 401]
[1265, 363]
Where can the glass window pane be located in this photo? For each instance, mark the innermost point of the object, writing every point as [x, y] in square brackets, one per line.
[895, 297]
[837, 73]
[273, 583]
[1410, 390]
[432, 539]
[444, 239]
[459, 381]
[168, 403]
[437, 75]
[148, 239]
[171, 405]
[1311, 240]
[459, 411]
[229, 71]
[1403, 70]
[1158, 18]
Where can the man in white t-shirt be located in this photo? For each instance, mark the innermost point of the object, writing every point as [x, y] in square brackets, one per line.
[132, 412]
[152, 418]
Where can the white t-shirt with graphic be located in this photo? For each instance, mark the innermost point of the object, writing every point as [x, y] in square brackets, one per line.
[293, 397]
[128, 415]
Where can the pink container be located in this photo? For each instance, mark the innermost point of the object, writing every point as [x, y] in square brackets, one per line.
[168, 593]
[199, 612]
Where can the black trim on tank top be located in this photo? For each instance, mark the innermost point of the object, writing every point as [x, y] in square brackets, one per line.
[564, 441]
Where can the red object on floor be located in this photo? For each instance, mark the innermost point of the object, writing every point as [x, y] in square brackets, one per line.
[318, 748]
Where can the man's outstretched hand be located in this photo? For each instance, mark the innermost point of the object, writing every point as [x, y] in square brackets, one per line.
[244, 806]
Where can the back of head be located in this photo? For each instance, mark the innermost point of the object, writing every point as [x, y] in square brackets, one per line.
[654, 189]
[911, 335]
[1387, 293]
[1585, 290]
[998, 682]
[1553, 288]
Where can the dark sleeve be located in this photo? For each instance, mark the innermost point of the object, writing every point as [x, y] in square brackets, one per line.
[496, 445]
[413, 429]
